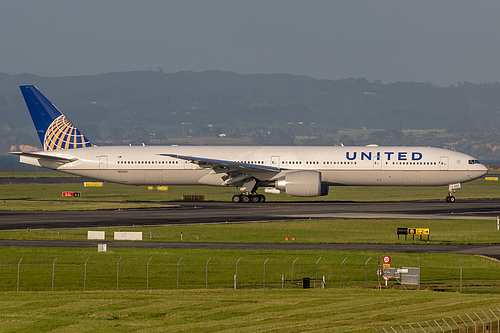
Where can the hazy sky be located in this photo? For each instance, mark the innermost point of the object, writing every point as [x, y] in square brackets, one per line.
[437, 41]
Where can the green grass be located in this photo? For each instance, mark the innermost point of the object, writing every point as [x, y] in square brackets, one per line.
[49, 196]
[220, 308]
[353, 231]
[251, 308]
[438, 271]
[332, 310]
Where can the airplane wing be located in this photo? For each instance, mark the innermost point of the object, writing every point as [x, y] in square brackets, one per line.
[226, 166]
[45, 157]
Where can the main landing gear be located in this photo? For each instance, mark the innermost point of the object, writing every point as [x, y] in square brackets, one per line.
[246, 198]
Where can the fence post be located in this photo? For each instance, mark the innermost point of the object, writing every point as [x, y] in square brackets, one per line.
[236, 274]
[463, 321]
[456, 324]
[475, 326]
[147, 274]
[323, 283]
[206, 273]
[18, 266]
[488, 320]
[342, 273]
[178, 263]
[410, 327]
[283, 281]
[498, 322]
[430, 327]
[118, 272]
[316, 272]
[419, 273]
[461, 275]
[403, 329]
[85, 275]
[293, 268]
[480, 320]
[53, 270]
[451, 330]
[366, 272]
[265, 272]
[439, 326]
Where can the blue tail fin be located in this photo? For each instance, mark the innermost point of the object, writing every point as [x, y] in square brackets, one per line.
[54, 129]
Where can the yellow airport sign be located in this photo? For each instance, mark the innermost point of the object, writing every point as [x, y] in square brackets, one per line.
[92, 184]
[491, 178]
[418, 231]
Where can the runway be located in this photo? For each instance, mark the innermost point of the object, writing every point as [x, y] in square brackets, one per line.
[220, 212]
[492, 251]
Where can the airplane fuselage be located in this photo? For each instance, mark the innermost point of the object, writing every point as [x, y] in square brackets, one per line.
[369, 165]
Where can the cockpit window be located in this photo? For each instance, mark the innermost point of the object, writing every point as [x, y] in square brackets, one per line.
[474, 162]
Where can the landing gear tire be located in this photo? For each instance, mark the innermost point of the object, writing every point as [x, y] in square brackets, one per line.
[247, 198]
[450, 199]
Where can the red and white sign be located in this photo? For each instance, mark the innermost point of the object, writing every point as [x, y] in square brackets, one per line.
[71, 194]
[386, 278]
[386, 259]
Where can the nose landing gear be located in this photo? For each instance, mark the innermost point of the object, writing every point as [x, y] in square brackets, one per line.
[451, 189]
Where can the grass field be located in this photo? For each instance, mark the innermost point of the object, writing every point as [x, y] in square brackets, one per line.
[350, 231]
[193, 308]
[334, 310]
[49, 196]
[439, 272]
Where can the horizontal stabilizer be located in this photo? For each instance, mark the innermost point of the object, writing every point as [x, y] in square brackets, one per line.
[45, 157]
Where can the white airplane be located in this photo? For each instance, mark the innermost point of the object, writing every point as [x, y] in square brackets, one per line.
[298, 171]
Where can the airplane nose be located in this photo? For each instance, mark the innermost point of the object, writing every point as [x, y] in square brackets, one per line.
[477, 171]
[484, 169]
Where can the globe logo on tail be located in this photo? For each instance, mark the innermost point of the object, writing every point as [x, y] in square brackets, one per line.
[62, 134]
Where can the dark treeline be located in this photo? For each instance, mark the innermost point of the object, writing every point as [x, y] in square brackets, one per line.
[154, 107]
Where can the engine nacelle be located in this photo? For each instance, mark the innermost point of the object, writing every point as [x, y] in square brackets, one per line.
[302, 184]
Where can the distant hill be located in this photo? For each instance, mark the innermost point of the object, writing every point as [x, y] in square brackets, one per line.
[269, 108]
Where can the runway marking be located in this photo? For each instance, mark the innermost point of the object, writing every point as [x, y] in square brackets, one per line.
[372, 216]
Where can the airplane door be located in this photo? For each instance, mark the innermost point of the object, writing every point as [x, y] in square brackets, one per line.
[275, 161]
[103, 162]
[444, 163]
[377, 164]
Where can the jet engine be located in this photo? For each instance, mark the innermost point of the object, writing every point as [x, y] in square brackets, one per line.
[302, 184]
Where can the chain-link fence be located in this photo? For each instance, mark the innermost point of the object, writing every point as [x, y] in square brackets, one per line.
[484, 321]
[119, 272]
